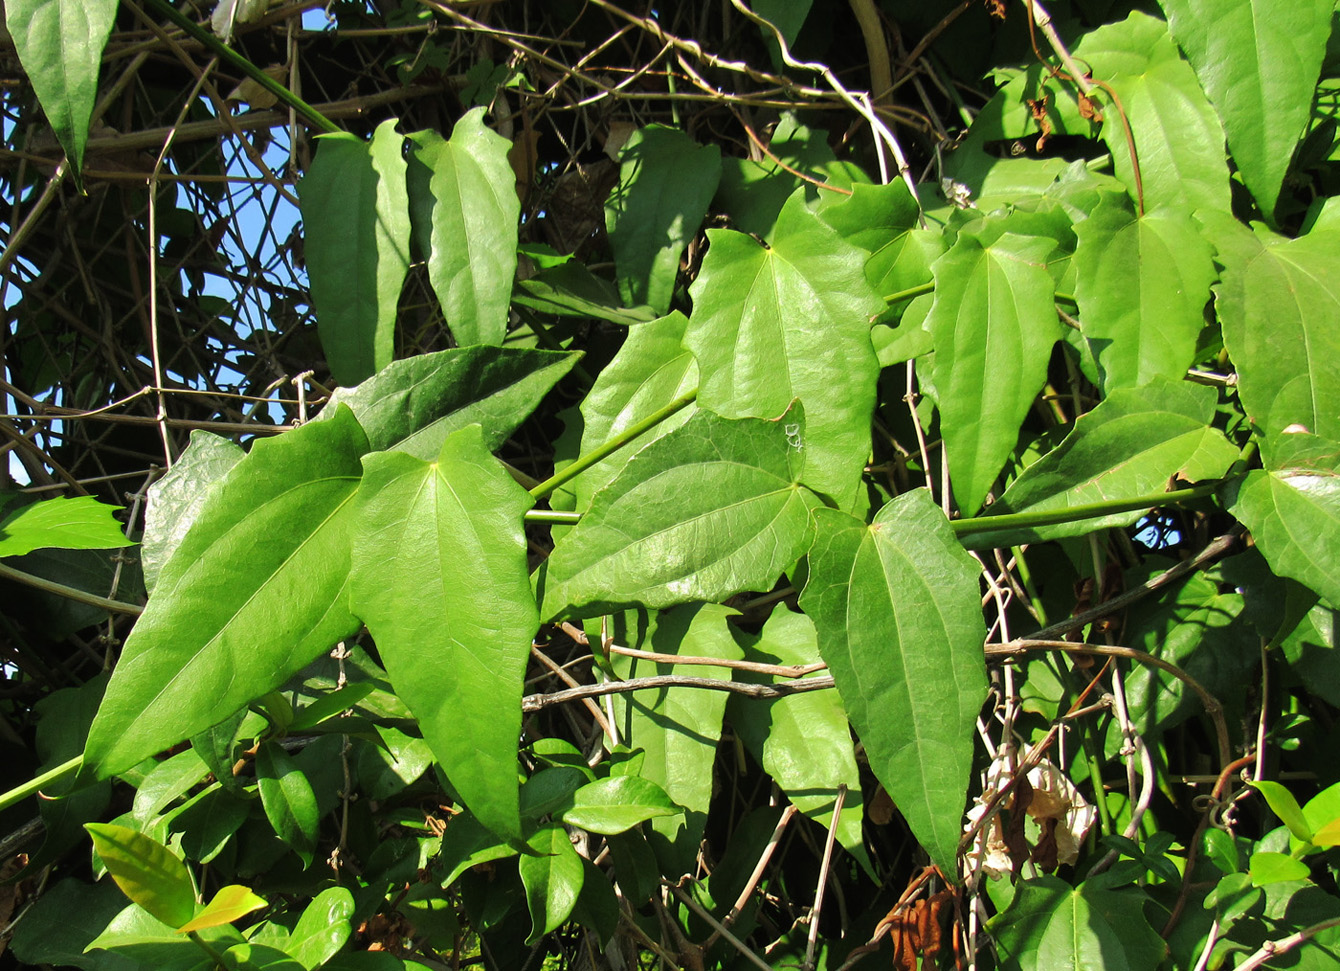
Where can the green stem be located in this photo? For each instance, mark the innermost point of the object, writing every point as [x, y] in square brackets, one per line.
[555, 517]
[33, 786]
[214, 955]
[61, 590]
[1090, 510]
[613, 445]
[226, 53]
[922, 288]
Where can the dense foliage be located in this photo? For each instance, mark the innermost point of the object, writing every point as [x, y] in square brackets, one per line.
[824, 484]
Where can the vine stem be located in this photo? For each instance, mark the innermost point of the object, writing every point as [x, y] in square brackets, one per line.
[613, 445]
[32, 786]
[1090, 510]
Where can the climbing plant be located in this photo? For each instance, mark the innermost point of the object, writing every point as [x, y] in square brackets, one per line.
[706, 488]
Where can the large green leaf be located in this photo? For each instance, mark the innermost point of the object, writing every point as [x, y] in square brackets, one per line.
[440, 578]
[323, 928]
[1258, 61]
[1293, 510]
[896, 608]
[1053, 925]
[803, 741]
[255, 591]
[651, 368]
[288, 800]
[356, 239]
[993, 323]
[177, 498]
[1142, 288]
[773, 324]
[552, 874]
[666, 181]
[72, 523]
[677, 728]
[414, 404]
[1131, 445]
[59, 43]
[617, 804]
[1279, 301]
[1178, 138]
[713, 508]
[465, 210]
[146, 871]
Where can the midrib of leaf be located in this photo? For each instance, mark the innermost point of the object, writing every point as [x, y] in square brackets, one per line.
[265, 582]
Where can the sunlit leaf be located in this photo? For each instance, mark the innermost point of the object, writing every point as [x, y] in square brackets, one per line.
[255, 591]
[713, 508]
[440, 578]
[177, 498]
[73, 523]
[1258, 62]
[666, 181]
[59, 44]
[899, 622]
[552, 875]
[612, 805]
[146, 871]
[355, 209]
[228, 904]
[322, 929]
[465, 211]
[289, 802]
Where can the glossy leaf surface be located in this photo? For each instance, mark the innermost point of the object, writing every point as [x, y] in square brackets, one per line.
[146, 871]
[255, 591]
[465, 208]
[1258, 62]
[713, 508]
[1132, 444]
[899, 623]
[60, 43]
[773, 324]
[355, 211]
[552, 874]
[613, 805]
[413, 405]
[1142, 288]
[227, 905]
[289, 802]
[993, 324]
[74, 523]
[666, 181]
[440, 578]
[322, 929]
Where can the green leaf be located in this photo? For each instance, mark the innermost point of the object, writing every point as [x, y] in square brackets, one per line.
[356, 230]
[466, 844]
[550, 790]
[322, 929]
[597, 906]
[255, 591]
[666, 181]
[993, 323]
[164, 783]
[1279, 301]
[651, 368]
[176, 499]
[677, 728]
[465, 210]
[1267, 868]
[1293, 511]
[146, 871]
[1142, 288]
[883, 220]
[1285, 806]
[773, 324]
[73, 523]
[59, 43]
[803, 741]
[552, 874]
[713, 508]
[1131, 445]
[1052, 925]
[1258, 62]
[229, 904]
[896, 608]
[207, 821]
[414, 404]
[136, 939]
[441, 580]
[288, 800]
[337, 702]
[1178, 138]
[571, 290]
[612, 805]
